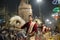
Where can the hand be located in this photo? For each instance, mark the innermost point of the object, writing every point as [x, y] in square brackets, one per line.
[30, 34]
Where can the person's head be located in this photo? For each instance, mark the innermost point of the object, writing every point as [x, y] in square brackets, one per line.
[36, 21]
[30, 18]
[42, 24]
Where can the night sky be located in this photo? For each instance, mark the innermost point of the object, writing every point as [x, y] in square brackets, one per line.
[46, 7]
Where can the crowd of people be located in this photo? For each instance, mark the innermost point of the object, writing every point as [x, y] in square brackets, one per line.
[32, 29]
[29, 31]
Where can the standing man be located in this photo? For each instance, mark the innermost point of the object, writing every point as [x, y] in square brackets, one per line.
[31, 28]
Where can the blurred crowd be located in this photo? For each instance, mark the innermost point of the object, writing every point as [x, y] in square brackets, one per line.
[17, 29]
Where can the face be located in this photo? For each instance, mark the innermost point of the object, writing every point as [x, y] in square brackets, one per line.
[30, 18]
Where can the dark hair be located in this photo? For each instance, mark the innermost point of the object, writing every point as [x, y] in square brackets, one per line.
[30, 16]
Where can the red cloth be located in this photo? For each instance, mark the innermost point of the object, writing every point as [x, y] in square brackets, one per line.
[27, 25]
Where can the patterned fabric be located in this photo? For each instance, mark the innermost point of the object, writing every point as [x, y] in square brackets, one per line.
[31, 27]
[27, 25]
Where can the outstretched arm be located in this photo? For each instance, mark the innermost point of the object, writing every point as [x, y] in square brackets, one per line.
[25, 25]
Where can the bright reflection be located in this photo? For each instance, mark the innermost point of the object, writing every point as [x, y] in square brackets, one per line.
[53, 15]
[39, 1]
[47, 20]
[50, 22]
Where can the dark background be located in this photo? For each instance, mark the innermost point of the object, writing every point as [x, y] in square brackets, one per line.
[46, 7]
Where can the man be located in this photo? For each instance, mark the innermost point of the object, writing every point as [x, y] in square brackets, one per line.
[31, 28]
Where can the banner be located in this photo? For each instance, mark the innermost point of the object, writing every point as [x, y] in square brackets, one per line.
[58, 1]
[55, 2]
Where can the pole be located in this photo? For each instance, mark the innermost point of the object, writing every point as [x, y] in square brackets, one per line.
[40, 15]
